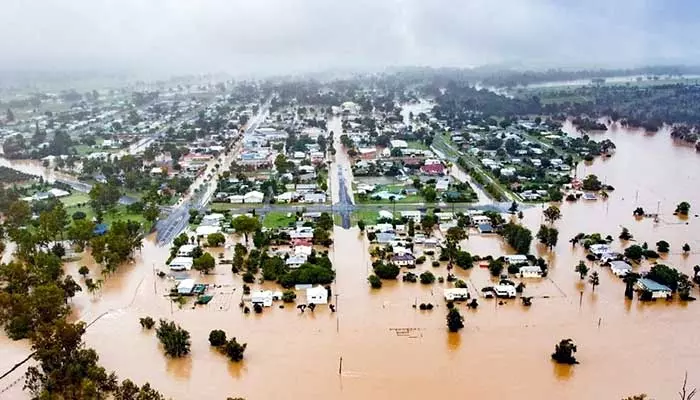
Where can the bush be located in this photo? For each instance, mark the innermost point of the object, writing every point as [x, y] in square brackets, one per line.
[420, 260]
[386, 271]
[651, 254]
[175, 340]
[234, 350]
[495, 267]
[258, 308]
[217, 338]
[84, 270]
[427, 278]
[455, 321]
[147, 322]
[410, 277]
[78, 215]
[460, 284]
[248, 277]
[289, 296]
[374, 281]
[513, 269]
[436, 263]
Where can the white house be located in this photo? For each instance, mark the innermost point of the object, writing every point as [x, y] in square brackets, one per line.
[262, 297]
[658, 291]
[456, 294]
[296, 260]
[530, 271]
[404, 260]
[515, 258]
[181, 263]
[504, 291]
[253, 197]
[317, 295]
[480, 219]
[186, 250]
[620, 268]
[206, 230]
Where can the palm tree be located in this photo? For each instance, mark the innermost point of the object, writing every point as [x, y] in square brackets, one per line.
[630, 279]
[594, 280]
[582, 269]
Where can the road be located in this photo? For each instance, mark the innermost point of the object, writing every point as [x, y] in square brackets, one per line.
[201, 189]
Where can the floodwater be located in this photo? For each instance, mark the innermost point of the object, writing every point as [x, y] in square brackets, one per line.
[391, 350]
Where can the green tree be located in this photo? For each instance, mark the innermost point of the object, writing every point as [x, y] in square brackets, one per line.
[374, 281]
[103, 197]
[234, 350]
[217, 338]
[80, 232]
[147, 322]
[84, 270]
[630, 280]
[216, 239]
[582, 269]
[686, 248]
[386, 271]
[151, 212]
[634, 252]
[428, 222]
[175, 340]
[564, 352]
[429, 194]
[361, 225]
[205, 263]
[591, 182]
[288, 296]
[496, 267]
[683, 208]
[245, 225]
[548, 236]
[518, 237]
[552, 214]
[455, 321]
[664, 275]
[662, 246]
[427, 278]
[594, 280]
[325, 221]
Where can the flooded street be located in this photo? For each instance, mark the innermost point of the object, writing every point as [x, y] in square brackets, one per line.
[391, 350]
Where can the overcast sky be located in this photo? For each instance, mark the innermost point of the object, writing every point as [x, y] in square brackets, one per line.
[276, 36]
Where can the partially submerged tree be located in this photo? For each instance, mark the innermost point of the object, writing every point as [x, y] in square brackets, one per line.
[175, 340]
[564, 352]
[594, 280]
[582, 269]
[455, 321]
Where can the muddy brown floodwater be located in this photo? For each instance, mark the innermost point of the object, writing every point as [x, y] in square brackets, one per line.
[390, 350]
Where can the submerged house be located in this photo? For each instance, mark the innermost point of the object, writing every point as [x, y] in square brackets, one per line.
[317, 295]
[658, 291]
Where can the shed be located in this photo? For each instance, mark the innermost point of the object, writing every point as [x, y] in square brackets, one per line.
[263, 297]
[657, 290]
[530, 271]
[186, 250]
[185, 286]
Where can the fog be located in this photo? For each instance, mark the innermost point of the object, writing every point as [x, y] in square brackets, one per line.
[273, 36]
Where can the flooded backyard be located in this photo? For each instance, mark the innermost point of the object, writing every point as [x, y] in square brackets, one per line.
[391, 350]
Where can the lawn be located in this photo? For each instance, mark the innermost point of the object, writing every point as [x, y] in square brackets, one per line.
[119, 213]
[417, 145]
[74, 199]
[278, 220]
[370, 217]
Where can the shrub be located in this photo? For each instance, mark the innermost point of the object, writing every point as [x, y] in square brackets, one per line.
[436, 264]
[460, 284]
[495, 267]
[217, 337]
[234, 350]
[78, 215]
[513, 269]
[84, 270]
[175, 340]
[420, 260]
[427, 278]
[248, 277]
[289, 296]
[386, 271]
[455, 321]
[147, 322]
[410, 277]
[258, 308]
[374, 281]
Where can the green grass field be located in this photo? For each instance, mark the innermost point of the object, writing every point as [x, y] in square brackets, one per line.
[74, 199]
[119, 213]
[278, 220]
[417, 145]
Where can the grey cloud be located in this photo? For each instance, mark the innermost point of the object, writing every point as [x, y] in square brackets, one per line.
[273, 36]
